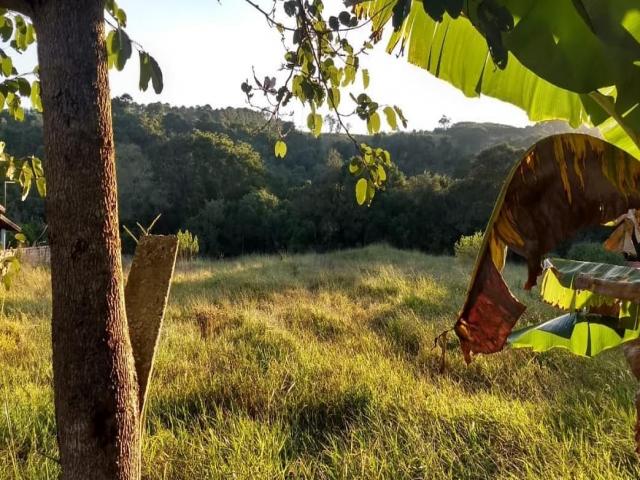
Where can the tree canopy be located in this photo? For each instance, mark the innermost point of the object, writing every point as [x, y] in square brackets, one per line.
[214, 173]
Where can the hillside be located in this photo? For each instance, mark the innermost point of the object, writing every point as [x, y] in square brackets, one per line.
[322, 366]
[214, 172]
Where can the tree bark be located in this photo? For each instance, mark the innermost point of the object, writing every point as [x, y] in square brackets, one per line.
[96, 393]
[632, 354]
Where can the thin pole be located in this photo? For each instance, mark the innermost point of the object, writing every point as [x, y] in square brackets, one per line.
[4, 232]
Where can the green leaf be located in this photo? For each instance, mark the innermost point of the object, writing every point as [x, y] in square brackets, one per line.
[435, 9]
[124, 49]
[390, 113]
[382, 174]
[24, 87]
[456, 52]
[334, 98]
[280, 149]
[361, 191]
[400, 12]
[36, 165]
[365, 78]
[145, 71]
[314, 123]
[121, 16]
[373, 123]
[7, 66]
[36, 101]
[41, 186]
[20, 237]
[156, 75]
[26, 175]
[18, 114]
[113, 43]
[556, 50]
[387, 158]
[371, 191]
[355, 167]
[582, 334]
[30, 36]
[6, 31]
[150, 70]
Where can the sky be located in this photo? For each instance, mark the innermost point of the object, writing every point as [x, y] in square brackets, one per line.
[206, 48]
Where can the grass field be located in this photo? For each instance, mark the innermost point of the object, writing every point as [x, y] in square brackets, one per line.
[321, 366]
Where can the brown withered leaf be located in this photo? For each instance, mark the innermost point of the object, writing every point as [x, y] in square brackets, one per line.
[563, 184]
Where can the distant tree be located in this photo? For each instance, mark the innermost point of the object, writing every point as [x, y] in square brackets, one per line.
[175, 123]
[444, 122]
[209, 224]
[332, 123]
[201, 166]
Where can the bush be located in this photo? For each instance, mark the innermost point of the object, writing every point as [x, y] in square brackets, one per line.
[188, 246]
[468, 246]
[594, 252]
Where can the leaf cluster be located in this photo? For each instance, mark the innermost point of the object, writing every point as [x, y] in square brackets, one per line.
[120, 48]
[321, 63]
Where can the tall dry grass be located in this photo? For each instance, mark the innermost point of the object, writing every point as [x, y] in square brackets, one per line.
[321, 366]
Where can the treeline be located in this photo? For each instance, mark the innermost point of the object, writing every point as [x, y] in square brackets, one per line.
[214, 173]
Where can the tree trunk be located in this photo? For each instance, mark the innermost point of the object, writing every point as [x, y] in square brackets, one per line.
[96, 393]
[632, 354]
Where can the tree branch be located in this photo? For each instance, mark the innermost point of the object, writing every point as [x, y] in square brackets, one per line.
[21, 6]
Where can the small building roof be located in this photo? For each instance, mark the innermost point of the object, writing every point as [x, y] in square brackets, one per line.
[5, 223]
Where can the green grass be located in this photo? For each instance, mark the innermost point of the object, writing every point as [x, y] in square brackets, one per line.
[321, 366]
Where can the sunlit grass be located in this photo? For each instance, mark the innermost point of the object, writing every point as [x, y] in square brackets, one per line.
[322, 366]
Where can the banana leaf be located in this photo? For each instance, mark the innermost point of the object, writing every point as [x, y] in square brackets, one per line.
[561, 57]
[573, 285]
[582, 334]
[601, 299]
[563, 184]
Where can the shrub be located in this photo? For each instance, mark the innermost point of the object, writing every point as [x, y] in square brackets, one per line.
[594, 252]
[468, 246]
[188, 246]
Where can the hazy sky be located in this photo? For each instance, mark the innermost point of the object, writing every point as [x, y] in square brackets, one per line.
[206, 49]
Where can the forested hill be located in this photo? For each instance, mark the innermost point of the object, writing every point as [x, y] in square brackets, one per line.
[214, 172]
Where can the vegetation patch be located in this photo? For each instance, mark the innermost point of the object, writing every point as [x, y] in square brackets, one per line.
[328, 383]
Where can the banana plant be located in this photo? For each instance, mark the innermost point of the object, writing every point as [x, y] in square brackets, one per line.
[561, 185]
[572, 60]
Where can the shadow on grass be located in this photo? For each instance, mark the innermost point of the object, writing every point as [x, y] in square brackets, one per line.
[310, 422]
[27, 306]
[313, 424]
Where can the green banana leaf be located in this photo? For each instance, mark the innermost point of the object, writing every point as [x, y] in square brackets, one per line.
[563, 184]
[574, 285]
[562, 55]
[582, 334]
